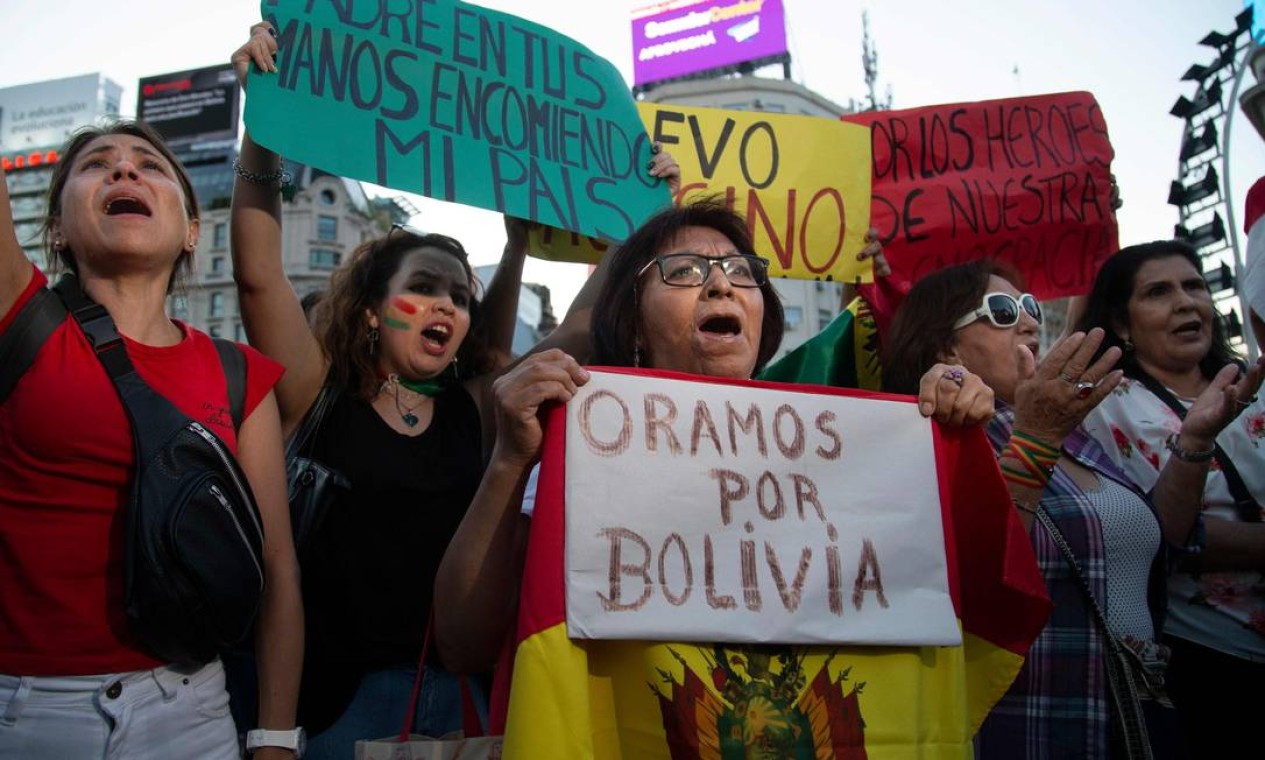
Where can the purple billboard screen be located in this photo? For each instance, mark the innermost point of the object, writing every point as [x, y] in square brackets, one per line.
[680, 37]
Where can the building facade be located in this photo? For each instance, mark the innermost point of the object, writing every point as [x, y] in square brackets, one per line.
[35, 120]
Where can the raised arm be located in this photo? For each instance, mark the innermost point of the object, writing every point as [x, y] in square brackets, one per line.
[1178, 493]
[271, 313]
[477, 582]
[15, 270]
[500, 303]
[572, 334]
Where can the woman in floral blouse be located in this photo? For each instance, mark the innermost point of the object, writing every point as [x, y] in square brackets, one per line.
[1154, 304]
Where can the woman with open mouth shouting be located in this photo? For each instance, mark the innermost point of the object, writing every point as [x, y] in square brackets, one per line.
[407, 353]
[1187, 420]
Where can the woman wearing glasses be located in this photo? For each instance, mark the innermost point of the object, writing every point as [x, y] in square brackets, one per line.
[1186, 420]
[1073, 500]
[686, 293]
[402, 345]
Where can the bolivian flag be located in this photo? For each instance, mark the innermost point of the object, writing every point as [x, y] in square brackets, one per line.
[627, 700]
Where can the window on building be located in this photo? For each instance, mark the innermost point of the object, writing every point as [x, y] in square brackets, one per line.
[324, 258]
[239, 333]
[217, 304]
[794, 317]
[327, 227]
[217, 265]
[328, 198]
[824, 317]
[219, 235]
[213, 331]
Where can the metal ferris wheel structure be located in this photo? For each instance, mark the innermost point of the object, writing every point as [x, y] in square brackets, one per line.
[1201, 191]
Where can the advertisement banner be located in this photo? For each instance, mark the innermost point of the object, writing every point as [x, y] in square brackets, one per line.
[763, 517]
[44, 114]
[679, 37]
[458, 103]
[1024, 180]
[194, 106]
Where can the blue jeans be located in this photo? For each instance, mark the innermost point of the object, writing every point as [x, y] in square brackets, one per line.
[377, 710]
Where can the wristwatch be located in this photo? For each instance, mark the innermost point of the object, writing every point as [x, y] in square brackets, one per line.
[295, 740]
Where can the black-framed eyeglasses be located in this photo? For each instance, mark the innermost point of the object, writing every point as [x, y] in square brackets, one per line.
[1002, 309]
[691, 270]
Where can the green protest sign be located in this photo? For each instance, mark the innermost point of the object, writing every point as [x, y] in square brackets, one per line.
[458, 103]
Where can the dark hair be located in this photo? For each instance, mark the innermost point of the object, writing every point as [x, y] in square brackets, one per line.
[360, 285]
[922, 330]
[64, 257]
[615, 318]
[1109, 304]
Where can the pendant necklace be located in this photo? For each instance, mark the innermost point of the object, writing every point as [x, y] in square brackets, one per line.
[427, 389]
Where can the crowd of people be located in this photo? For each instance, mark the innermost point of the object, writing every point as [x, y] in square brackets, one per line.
[1132, 449]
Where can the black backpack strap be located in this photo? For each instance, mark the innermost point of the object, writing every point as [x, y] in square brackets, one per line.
[26, 335]
[234, 363]
[1244, 504]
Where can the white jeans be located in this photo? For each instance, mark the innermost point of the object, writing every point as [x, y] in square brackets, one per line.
[169, 712]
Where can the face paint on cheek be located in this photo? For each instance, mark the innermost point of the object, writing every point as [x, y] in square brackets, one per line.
[396, 324]
[404, 306]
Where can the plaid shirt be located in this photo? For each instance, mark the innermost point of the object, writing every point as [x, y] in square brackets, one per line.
[1057, 706]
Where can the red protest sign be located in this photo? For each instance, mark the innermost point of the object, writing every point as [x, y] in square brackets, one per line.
[1025, 180]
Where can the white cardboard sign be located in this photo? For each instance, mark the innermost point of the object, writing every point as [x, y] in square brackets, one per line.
[703, 511]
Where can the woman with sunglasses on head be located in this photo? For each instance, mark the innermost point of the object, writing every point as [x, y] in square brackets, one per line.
[410, 353]
[1067, 491]
[1187, 421]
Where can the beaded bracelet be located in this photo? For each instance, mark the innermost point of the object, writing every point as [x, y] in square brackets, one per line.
[278, 177]
[1037, 458]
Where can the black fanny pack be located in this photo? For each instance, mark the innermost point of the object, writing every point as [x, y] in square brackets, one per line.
[193, 553]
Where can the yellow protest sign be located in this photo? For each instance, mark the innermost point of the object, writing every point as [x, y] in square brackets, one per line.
[801, 182]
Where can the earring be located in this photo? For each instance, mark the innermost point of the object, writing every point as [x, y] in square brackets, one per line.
[373, 339]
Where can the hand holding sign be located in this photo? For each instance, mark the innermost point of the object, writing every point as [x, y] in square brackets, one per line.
[399, 94]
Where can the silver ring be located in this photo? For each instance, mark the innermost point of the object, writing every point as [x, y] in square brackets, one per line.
[1084, 389]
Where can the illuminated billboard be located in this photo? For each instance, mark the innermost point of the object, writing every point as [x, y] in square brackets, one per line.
[37, 117]
[191, 106]
[680, 37]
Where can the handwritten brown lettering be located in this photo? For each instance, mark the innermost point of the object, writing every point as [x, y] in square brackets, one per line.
[733, 487]
[605, 448]
[791, 597]
[795, 449]
[686, 568]
[868, 565]
[655, 422]
[618, 569]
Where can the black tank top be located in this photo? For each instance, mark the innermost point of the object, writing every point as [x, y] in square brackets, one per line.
[368, 585]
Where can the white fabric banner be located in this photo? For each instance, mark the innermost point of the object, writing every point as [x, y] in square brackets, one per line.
[705, 511]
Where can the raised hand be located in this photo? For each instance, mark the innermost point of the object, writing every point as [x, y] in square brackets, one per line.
[664, 166]
[549, 376]
[1225, 398]
[1065, 387]
[954, 396]
[260, 49]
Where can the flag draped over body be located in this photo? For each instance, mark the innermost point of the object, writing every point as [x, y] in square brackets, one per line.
[630, 699]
